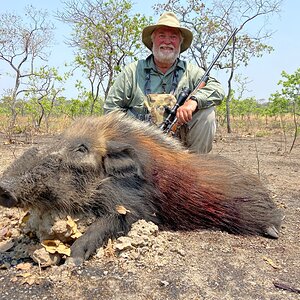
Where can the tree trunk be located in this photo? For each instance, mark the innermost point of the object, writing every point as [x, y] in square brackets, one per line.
[229, 94]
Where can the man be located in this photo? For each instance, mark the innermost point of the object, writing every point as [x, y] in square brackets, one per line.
[163, 72]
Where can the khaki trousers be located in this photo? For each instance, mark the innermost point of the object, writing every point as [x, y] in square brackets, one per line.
[199, 133]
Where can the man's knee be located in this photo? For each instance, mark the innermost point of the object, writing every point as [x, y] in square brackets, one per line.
[201, 131]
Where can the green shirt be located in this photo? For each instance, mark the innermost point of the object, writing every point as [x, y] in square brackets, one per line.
[128, 91]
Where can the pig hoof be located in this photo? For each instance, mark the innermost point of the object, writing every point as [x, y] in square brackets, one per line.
[272, 232]
[74, 261]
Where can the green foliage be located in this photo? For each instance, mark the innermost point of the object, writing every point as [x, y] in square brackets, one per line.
[5, 104]
[221, 109]
[278, 104]
[244, 107]
[106, 36]
[75, 107]
[288, 99]
[213, 21]
[291, 86]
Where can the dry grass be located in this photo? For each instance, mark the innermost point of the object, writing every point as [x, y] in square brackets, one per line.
[25, 125]
[260, 126]
[242, 126]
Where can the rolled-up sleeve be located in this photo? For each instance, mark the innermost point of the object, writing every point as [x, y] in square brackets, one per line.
[211, 94]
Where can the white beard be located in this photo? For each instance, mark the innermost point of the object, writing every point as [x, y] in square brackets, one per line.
[165, 56]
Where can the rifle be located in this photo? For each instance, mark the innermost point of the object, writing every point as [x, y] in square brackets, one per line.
[186, 93]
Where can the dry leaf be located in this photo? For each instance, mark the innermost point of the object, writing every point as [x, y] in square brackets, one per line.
[24, 266]
[44, 258]
[122, 210]
[25, 218]
[5, 266]
[4, 233]
[14, 279]
[27, 278]
[73, 226]
[271, 263]
[30, 280]
[53, 246]
[6, 245]
[24, 275]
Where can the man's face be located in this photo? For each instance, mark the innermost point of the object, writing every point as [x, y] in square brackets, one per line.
[166, 44]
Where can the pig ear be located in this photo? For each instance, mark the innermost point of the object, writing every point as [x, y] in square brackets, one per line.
[121, 160]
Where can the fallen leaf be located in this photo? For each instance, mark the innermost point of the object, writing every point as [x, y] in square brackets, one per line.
[109, 250]
[24, 266]
[122, 210]
[73, 226]
[271, 263]
[25, 218]
[53, 246]
[24, 275]
[5, 266]
[44, 258]
[4, 232]
[6, 245]
[30, 280]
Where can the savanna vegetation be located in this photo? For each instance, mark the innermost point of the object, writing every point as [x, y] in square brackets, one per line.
[106, 36]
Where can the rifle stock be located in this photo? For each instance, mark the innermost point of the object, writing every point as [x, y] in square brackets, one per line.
[171, 119]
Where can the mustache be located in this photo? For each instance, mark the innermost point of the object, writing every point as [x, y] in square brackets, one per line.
[166, 46]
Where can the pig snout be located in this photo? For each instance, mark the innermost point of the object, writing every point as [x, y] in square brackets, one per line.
[7, 198]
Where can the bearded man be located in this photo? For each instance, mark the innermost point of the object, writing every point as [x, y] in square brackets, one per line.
[146, 85]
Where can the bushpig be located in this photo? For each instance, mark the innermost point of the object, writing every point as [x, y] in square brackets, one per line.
[101, 163]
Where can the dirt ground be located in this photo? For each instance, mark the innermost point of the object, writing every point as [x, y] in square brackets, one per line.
[175, 265]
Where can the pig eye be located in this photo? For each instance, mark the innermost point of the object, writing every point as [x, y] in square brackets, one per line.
[82, 148]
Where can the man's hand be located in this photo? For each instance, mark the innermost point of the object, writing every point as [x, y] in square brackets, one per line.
[184, 113]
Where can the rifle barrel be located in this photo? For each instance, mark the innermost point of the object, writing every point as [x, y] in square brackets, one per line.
[204, 78]
[221, 50]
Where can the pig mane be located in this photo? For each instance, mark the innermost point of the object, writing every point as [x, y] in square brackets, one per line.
[118, 126]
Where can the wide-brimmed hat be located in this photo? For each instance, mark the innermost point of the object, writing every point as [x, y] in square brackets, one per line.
[168, 19]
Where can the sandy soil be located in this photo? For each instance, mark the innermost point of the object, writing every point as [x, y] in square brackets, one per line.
[195, 265]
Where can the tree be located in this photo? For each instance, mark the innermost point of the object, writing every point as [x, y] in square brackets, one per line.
[105, 37]
[23, 43]
[43, 90]
[291, 88]
[213, 22]
[288, 100]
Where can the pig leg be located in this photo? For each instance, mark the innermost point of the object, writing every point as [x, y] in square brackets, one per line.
[96, 235]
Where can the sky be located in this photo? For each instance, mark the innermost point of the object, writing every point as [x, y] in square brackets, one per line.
[263, 73]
